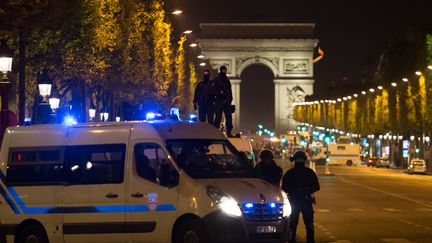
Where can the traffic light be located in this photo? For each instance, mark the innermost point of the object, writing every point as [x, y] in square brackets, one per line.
[260, 126]
[327, 138]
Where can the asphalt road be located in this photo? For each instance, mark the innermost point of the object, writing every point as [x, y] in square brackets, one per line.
[360, 204]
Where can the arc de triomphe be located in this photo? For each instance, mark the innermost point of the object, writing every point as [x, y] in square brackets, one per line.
[287, 49]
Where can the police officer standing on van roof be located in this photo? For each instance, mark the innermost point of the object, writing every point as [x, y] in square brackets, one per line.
[203, 100]
[267, 169]
[223, 98]
[300, 183]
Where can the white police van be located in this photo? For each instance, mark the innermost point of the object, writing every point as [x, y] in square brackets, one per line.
[161, 181]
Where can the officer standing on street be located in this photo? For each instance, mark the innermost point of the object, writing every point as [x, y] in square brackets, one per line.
[300, 183]
[203, 101]
[223, 98]
[267, 169]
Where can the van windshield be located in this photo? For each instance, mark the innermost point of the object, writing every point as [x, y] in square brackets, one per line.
[207, 158]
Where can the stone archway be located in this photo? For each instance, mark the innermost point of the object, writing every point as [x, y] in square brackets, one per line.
[287, 49]
[257, 97]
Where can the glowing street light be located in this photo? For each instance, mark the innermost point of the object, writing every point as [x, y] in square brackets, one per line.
[44, 84]
[429, 67]
[363, 92]
[372, 90]
[349, 97]
[355, 95]
[405, 79]
[339, 99]
[418, 73]
[193, 45]
[380, 87]
[202, 64]
[177, 12]
[344, 98]
[200, 56]
[394, 84]
[187, 32]
[5, 59]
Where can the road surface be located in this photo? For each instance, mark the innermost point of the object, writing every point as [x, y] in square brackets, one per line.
[360, 204]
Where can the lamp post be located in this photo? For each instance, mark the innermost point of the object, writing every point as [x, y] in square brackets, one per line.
[44, 85]
[54, 102]
[5, 67]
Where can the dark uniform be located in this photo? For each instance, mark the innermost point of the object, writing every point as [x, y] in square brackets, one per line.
[267, 169]
[300, 183]
[223, 98]
[204, 100]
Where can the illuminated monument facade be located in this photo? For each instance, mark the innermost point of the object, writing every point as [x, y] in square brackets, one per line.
[287, 49]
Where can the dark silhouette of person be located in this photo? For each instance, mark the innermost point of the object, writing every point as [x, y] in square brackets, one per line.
[267, 169]
[223, 97]
[300, 183]
[203, 101]
[143, 167]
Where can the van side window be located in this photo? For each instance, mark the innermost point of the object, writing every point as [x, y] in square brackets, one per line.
[35, 166]
[151, 163]
[95, 164]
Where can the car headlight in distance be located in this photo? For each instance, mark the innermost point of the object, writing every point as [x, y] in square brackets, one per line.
[226, 203]
[286, 205]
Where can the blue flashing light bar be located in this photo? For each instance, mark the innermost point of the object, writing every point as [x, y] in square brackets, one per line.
[70, 120]
[249, 205]
[193, 117]
[272, 205]
[150, 116]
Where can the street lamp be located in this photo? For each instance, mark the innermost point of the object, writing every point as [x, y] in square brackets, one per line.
[5, 59]
[44, 84]
[177, 12]
[92, 111]
[5, 67]
[54, 100]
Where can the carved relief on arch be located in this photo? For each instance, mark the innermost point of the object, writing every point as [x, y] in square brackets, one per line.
[270, 62]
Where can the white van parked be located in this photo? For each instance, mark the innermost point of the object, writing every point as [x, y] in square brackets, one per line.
[161, 181]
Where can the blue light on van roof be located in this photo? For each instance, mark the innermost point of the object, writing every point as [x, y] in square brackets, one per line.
[249, 205]
[150, 116]
[272, 205]
[70, 120]
[193, 117]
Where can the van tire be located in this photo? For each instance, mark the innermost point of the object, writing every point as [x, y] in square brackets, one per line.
[191, 231]
[32, 233]
[349, 163]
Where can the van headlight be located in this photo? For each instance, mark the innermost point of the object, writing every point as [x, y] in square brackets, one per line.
[226, 203]
[286, 205]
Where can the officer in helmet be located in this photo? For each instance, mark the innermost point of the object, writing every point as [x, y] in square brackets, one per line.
[300, 183]
[267, 169]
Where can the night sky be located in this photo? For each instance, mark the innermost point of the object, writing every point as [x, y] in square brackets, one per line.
[351, 32]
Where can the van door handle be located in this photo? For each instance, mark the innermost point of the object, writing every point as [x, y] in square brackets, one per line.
[111, 195]
[137, 195]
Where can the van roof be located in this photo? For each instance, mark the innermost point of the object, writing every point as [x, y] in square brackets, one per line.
[165, 129]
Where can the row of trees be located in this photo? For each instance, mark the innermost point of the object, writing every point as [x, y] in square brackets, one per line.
[120, 49]
[404, 109]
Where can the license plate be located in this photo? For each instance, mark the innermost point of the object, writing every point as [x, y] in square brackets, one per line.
[266, 229]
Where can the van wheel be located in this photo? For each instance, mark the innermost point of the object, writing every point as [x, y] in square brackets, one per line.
[192, 231]
[349, 162]
[32, 234]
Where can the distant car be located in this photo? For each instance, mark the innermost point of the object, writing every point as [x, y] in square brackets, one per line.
[383, 162]
[417, 166]
[372, 161]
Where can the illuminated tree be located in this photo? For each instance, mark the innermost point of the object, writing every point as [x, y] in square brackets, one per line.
[182, 95]
[162, 51]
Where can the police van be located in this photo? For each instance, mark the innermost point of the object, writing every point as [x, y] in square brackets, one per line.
[160, 181]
